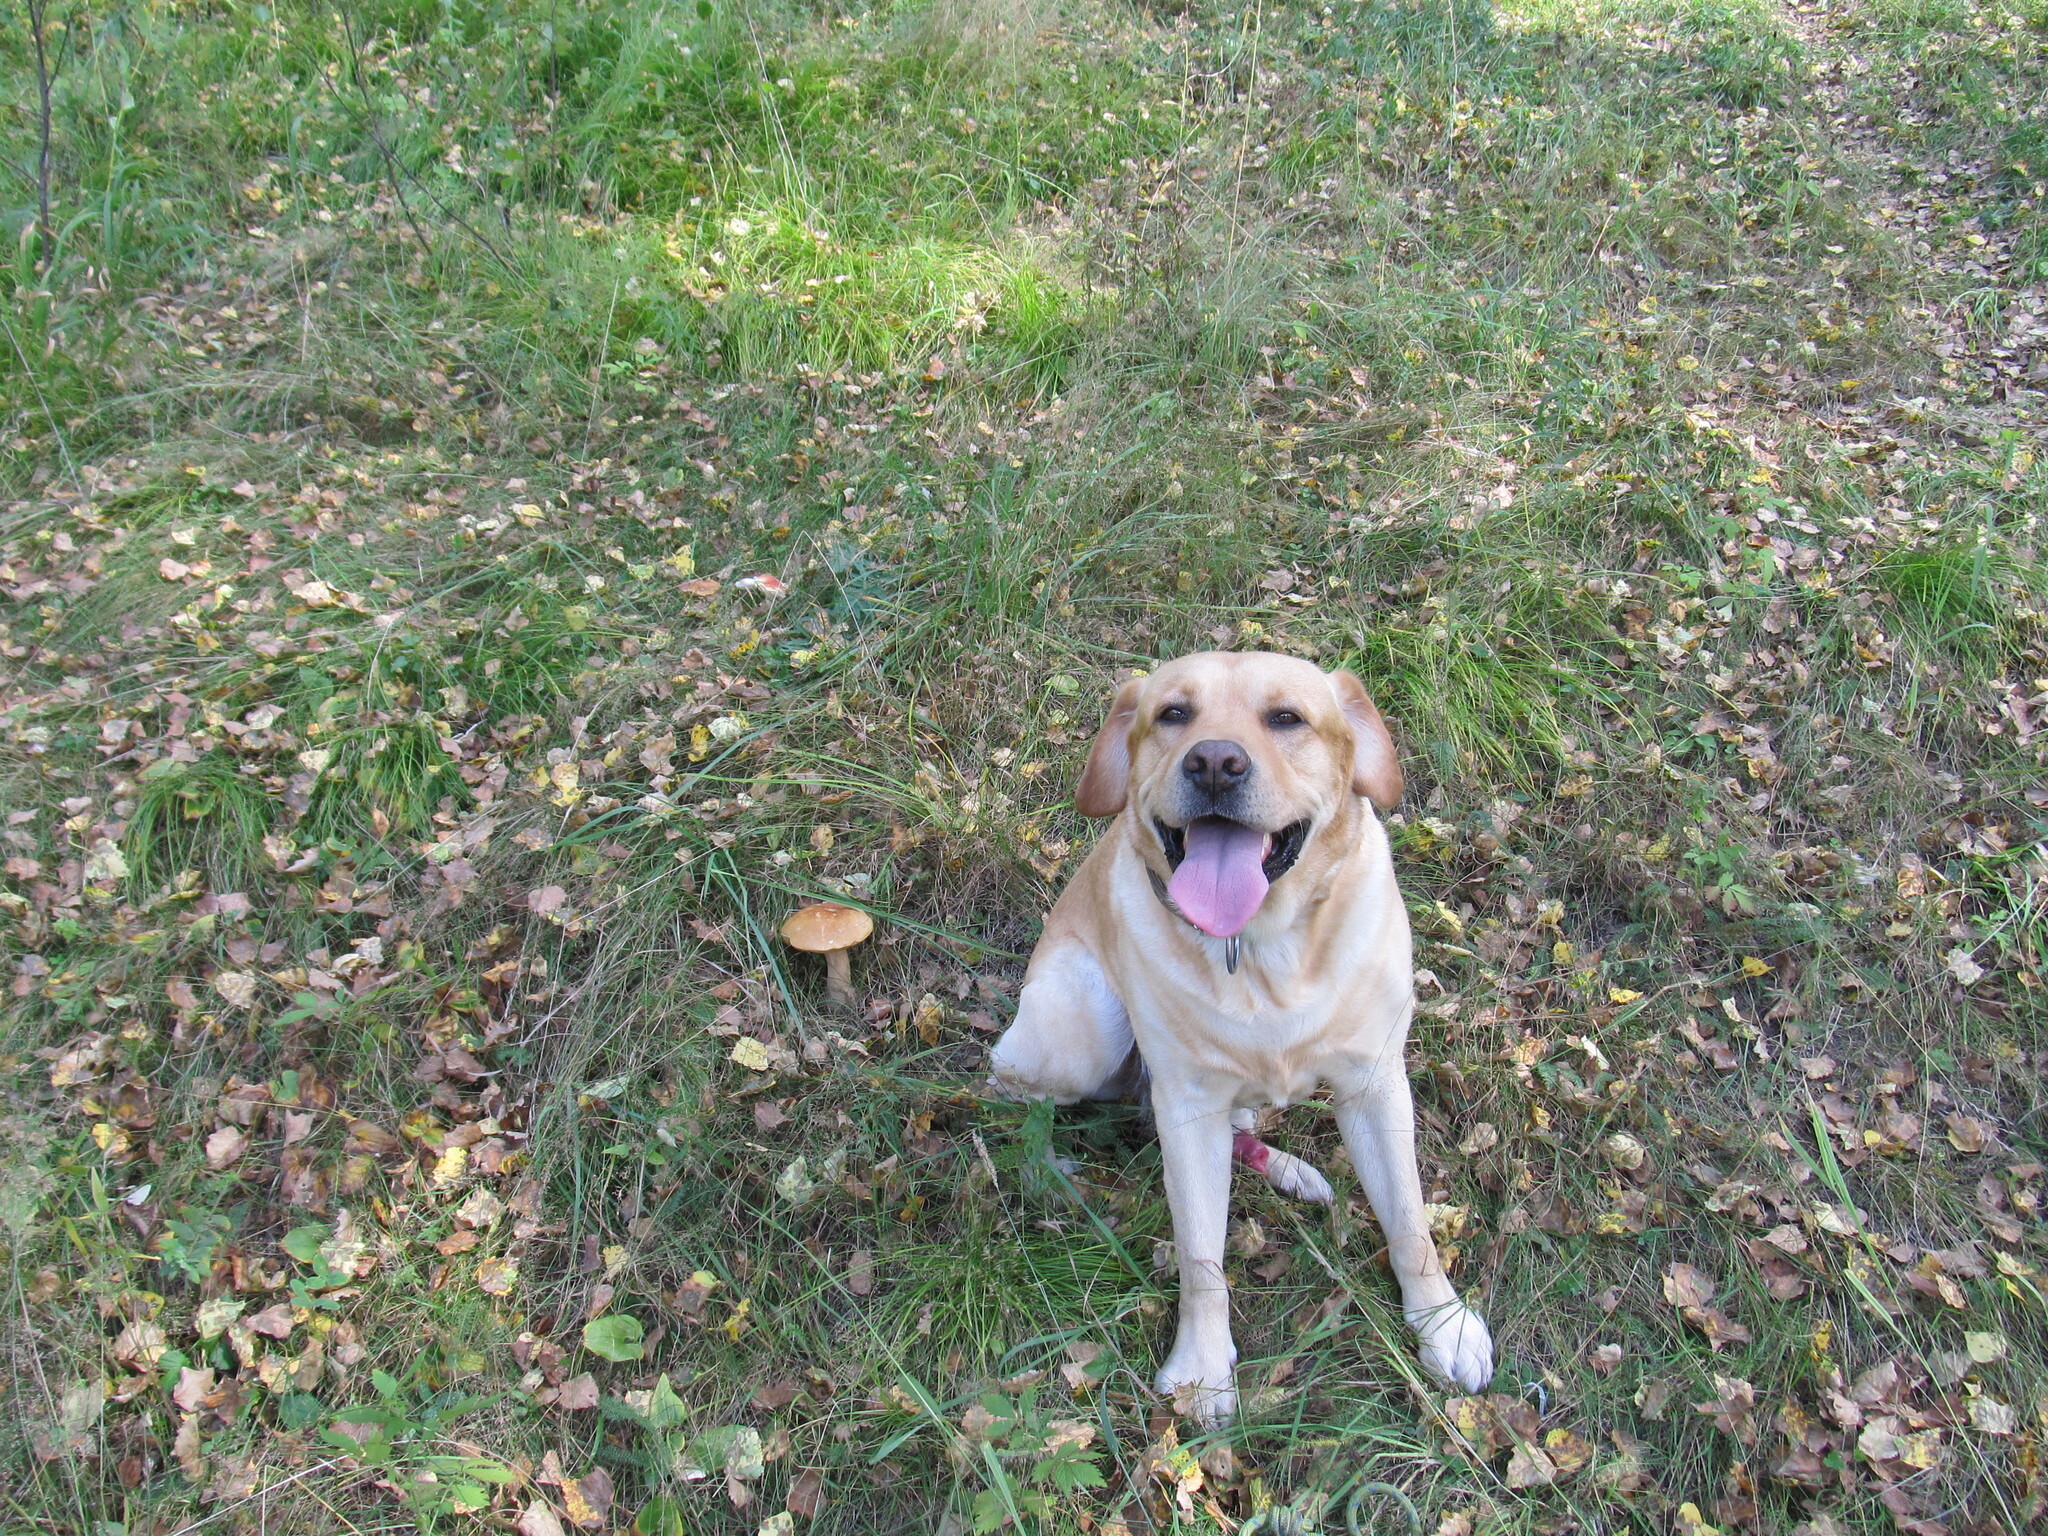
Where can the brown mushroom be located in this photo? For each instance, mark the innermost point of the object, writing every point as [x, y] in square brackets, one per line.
[830, 930]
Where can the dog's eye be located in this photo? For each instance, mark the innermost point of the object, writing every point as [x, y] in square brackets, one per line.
[1173, 714]
[1280, 719]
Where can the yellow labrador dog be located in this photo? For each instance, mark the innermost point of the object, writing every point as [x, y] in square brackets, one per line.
[1239, 932]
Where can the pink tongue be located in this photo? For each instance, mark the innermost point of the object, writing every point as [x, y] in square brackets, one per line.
[1219, 885]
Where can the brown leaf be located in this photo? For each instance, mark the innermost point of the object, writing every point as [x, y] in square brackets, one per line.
[224, 1148]
[273, 1321]
[1477, 1423]
[188, 1450]
[1966, 1135]
[578, 1393]
[1652, 1396]
[1802, 1466]
[237, 987]
[540, 1519]
[860, 1272]
[1782, 1281]
[777, 1394]
[1787, 1238]
[497, 1277]
[768, 1115]
[807, 1494]
[548, 898]
[1731, 1407]
[1719, 1328]
[1529, 1467]
[1881, 1383]
[588, 1498]
[365, 1136]
[1568, 1452]
[1605, 1358]
[1685, 1286]
[194, 1387]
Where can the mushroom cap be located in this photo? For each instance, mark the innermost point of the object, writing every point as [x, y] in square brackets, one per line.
[826, 927]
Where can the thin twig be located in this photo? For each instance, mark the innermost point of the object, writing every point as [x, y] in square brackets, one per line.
[38, 15]
[399, 175]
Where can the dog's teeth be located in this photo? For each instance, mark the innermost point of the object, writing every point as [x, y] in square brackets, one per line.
[1267, 853]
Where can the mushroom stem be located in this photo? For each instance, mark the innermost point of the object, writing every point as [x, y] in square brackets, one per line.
[839, 979]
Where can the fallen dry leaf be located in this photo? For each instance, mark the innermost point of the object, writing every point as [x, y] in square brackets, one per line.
[1568, 1452]
[578, 1393]
[588, 1498]
[1718, 1327]
[193, 1389]
[1529, 1467]
[806, 1495]
[1966, 1135]
[224, 1148]
[1685, 1286]
[1731, 1407]
[497, 1277]
[274, 1321]
[1990, 1416]
[238, 987]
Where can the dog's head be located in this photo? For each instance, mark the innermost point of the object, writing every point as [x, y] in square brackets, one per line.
[1233, 762]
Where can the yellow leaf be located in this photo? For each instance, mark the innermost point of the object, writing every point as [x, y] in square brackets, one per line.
[449, 1166]
[1985, 1348]
[496, 1277]
[750, 1053]
[1623, 995]
[1753, 967]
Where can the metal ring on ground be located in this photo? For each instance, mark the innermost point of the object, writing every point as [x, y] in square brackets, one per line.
[1385, 1491]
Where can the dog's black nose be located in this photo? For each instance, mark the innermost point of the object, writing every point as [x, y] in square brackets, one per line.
[1215, 766]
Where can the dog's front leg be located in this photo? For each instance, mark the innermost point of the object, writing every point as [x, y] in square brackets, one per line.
[1377, 1116]
[1194, 1145]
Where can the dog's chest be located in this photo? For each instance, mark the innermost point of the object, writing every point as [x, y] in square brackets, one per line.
[1275, 1051]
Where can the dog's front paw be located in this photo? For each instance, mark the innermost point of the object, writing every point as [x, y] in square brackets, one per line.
[1202, 1385]
[1455, 1344]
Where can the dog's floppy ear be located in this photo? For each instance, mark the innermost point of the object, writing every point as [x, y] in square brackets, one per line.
[1375, 769]
[1106, 781]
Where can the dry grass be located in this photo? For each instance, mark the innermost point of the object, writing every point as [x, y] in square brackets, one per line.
[406, 776]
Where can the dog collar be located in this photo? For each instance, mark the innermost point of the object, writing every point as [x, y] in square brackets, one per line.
[1230, 945]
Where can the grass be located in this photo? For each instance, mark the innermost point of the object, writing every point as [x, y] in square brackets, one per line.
[406, 774]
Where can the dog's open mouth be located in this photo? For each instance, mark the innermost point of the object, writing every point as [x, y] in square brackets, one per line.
[1282, 847]
[1223, 868]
